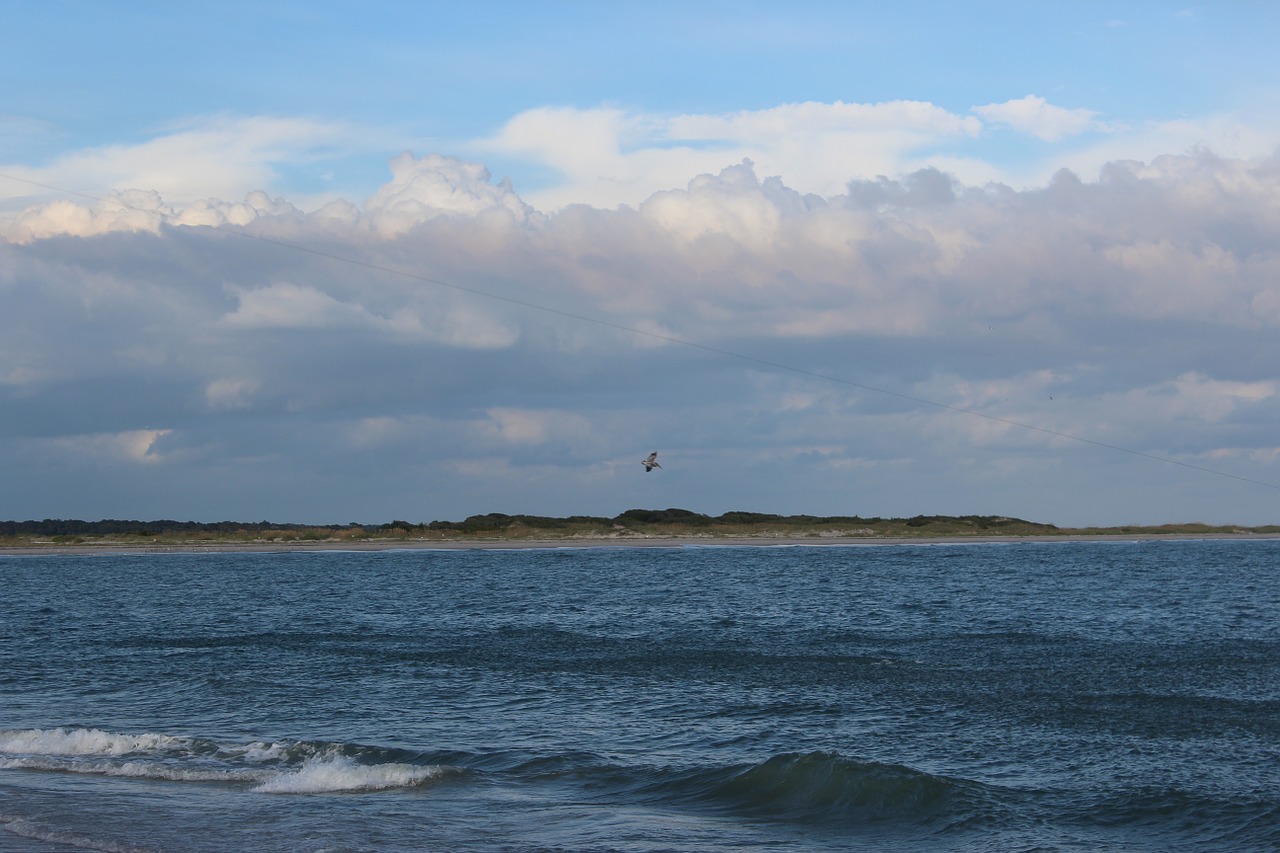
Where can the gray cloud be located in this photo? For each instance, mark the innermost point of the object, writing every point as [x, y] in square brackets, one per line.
[386, 359]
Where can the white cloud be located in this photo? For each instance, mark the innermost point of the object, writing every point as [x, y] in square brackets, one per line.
[421, 189]
[731, 203]
[603, 157]
[135, 446]
[214, 212]
[780, 123]
[124, 211]
[1231, 136]
[221, 156]
[424, 188]
[292, 306]
[609, 157]
[1036, 116]
[135, 210]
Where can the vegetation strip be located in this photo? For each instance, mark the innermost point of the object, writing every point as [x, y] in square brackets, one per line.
[632, 524]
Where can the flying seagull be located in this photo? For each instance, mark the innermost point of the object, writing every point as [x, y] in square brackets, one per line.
[650, 463]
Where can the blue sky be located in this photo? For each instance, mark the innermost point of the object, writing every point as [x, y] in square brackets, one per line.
[1050, 215]
[426, 76]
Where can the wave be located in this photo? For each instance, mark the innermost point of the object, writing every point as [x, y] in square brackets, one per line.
[281, 767]
[344, 774]
[129, 769]
[824, 787]
[61, 741]
[818, 786]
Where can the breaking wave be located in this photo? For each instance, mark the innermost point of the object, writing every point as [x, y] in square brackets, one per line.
[805, 787]
[296, 767]
[63, 741]
[344, 774]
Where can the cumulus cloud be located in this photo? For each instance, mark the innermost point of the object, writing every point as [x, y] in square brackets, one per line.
[733, 203]
[435, 185]
[136, 210]
[452, 363]
[132, 210]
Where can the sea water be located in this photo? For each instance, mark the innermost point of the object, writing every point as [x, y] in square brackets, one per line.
[995, 697]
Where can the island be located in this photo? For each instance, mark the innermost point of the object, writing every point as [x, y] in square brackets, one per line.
[635, 527]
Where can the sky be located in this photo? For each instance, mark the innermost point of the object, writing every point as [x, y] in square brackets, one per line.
[321, 262]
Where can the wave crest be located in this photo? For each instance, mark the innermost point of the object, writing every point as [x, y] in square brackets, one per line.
[62, 741]
[280, 767]
[343, 774]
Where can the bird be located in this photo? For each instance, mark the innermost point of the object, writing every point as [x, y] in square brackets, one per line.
[650, 463]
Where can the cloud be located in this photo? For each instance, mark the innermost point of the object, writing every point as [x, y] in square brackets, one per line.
[1034, 115]
[601, 156]
[452, 364]
[121, 211]
[284, 306]
[231, 393]
[292, 306]
[133, 446]
[812, 116]
[733, 203]
[609, 156]
[208, 156]
[532, 427]
[434, 186]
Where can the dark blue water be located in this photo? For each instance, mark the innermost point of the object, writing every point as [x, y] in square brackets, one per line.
[1056, 696]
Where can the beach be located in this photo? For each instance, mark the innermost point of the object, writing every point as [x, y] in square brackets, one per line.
[420, 544]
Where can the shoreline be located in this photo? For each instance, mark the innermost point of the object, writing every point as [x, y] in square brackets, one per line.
[146, 548]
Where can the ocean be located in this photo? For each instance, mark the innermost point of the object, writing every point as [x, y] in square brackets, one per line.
[1019, 696]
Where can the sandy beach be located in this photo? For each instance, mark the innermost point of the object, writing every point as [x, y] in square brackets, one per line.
[267, 547]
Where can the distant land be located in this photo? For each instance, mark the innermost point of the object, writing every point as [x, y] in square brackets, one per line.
[633, 525]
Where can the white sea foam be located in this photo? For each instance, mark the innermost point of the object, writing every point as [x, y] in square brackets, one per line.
[259, 752]
[339, 773]
[177, 759]
[62, 741]
[131, 769]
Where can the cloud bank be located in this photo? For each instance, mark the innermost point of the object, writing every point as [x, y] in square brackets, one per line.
[609, 156]
[446, 347]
